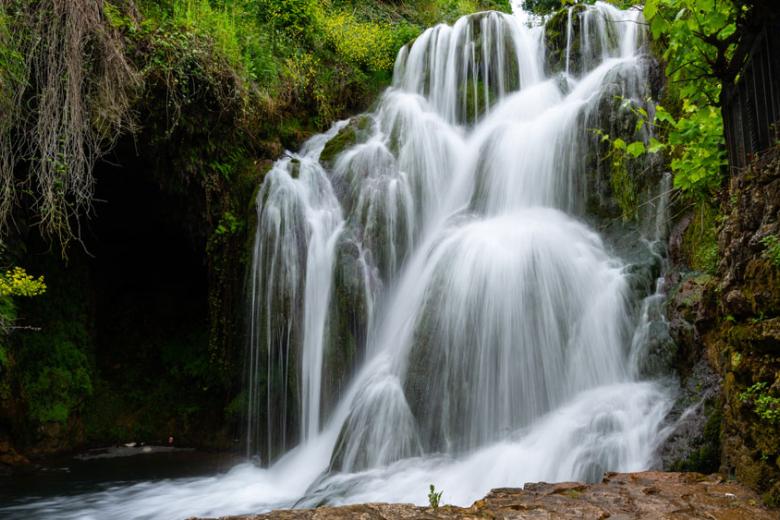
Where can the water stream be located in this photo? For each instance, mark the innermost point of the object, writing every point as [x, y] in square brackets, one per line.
[429, 302]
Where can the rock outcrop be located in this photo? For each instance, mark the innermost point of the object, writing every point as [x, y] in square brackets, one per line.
[743, 341]
[726, 326]
[645, 495]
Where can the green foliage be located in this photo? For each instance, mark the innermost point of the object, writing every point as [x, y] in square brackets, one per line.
[365, 43]
[12, 67]
[293, 16]
[698, 41]
[62, 382]
[693, 141]
[542, 7]
[697, 149]
[700, 242]
[46, 363]
[547, 7]
[622, 184]
[229, 224]
[278, 56]
[767, 407]
[772, 251]
[697, 34]
[16, 282]
[237, 406]
[8, 315]
[434, 497]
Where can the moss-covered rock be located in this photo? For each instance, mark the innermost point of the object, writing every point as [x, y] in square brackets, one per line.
[556, 37]
[354, 132]
[732, 319]
[347, 324]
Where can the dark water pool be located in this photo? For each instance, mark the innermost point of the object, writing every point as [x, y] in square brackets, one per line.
[101, 469]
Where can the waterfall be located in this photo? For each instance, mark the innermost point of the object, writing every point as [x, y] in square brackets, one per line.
[430, 297]
[493, 305]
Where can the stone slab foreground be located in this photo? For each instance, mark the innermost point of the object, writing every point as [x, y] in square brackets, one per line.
[652, 495]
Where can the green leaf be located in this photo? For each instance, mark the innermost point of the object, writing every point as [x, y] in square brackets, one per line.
[636, 149]
[619, 144]
[662, 115]
[651, 8]
[655, 145]
[658, 26]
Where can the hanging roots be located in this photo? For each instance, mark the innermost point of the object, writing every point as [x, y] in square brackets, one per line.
[66, 90]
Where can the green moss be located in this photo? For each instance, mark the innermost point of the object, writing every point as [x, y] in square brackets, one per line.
[700, 242]
[555, 32]
[623, 188]
[348, 136]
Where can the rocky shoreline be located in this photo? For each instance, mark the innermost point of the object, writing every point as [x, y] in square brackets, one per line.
[646, 495]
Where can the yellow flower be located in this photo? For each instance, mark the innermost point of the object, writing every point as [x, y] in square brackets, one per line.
[16, 282]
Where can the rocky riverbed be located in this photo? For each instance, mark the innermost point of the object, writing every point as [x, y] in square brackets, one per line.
[647, 495]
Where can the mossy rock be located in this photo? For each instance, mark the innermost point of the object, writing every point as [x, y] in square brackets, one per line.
[555, 40]
[354, 132]
[761, 335]
[347, 323]
[704, 456]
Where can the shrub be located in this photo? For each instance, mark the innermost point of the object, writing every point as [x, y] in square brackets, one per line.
[765, 406]
[16, 282]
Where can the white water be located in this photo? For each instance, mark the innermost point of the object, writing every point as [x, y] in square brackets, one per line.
[487, 337]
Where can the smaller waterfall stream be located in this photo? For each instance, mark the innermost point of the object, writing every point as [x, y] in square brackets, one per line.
[428, 301]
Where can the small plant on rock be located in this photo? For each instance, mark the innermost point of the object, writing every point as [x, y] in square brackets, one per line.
[434, 497]
[766, 406]
[772, 252]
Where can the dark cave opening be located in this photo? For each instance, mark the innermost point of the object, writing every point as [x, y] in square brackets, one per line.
[149, 284]
[149, 276]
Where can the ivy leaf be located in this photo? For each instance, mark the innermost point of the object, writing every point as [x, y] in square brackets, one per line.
[658, 26]
[655, 145]
[662, 115]
[636, 149]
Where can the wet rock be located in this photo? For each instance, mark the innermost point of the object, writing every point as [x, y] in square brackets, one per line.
[736, 302]
[687, 309]
[693, 443]
[347, 322]
[660, 351]
[653, 495]
[730, 320]
[10, 459]
[353, 132]
[555, 38]
[743, 336]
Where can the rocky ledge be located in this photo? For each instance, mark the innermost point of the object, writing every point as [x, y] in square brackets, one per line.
[649, 495]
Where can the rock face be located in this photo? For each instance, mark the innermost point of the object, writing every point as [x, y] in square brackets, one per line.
[726, 326]
[645, 495]
[743, 341]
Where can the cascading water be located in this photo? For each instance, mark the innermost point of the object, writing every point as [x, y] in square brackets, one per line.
[428, 304]
[496, 312]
